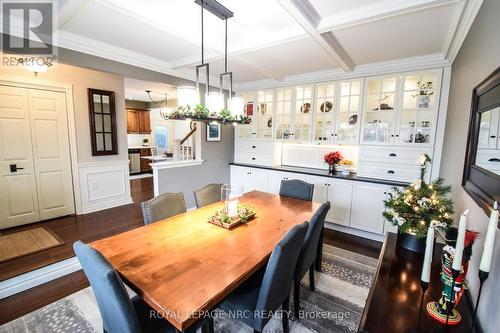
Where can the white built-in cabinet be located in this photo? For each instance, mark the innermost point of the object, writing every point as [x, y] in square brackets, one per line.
[259, 106]
[489, 131]
[401, 109]
[354, 204]
[294, 113]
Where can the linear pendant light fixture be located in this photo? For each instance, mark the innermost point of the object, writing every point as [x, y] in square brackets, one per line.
[214, 108]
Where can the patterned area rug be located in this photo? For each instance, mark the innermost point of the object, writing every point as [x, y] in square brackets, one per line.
[336, 305]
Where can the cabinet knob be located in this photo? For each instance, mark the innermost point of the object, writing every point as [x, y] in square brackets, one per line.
[336, 134]
[393, 155]
[391, 172]
[397, 135]
[392, 135]
[254, 147]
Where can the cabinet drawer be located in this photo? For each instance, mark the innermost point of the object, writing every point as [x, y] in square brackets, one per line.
[392, 155]
[407, 173]
[261, 147]
[488, 159]
[253, 158]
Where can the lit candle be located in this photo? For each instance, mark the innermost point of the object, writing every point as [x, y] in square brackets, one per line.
[232, 208]
[489, 241]
[426, 268]
[459, 248]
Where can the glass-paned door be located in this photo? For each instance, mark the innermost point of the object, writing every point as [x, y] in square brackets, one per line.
[419, 109]
[489, 129]
[264, 115]
[303, 112]
[349, 112]
[283, 114]
[380, 110]
[325, 110]
[249, 107]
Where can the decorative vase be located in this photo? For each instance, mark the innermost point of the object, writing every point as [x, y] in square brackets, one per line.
[411, 242]
[331, 169]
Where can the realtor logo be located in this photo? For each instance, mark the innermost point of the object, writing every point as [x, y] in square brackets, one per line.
[28, 27]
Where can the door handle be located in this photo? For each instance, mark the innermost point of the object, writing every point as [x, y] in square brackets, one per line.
[14, 168]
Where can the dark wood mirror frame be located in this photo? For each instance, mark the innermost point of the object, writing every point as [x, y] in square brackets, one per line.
[482, 185]
[99, 128]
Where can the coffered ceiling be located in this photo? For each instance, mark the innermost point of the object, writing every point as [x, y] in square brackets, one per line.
[273, 41]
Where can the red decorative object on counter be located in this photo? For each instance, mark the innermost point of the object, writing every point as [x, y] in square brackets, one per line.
[333, 158]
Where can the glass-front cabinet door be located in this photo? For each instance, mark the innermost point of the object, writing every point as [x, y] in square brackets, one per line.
[324, 113]
[417, 121]
[263, 118]
[489, 130]
[249, 105]
[283, 114]
[348, 121]
[380, 110]
[302, 117]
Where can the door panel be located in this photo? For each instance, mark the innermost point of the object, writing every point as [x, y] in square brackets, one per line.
[18, 197]
[320, 187]
[51, 154]
[368, 205]
[340, 196]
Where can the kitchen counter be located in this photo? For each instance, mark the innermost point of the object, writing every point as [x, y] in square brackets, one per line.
[141, 147]
[324, 173]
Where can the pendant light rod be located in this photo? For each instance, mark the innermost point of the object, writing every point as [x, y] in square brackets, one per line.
[225, 46]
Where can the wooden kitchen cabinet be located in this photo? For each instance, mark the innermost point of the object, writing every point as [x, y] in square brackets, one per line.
[144, 162]
[138, 121]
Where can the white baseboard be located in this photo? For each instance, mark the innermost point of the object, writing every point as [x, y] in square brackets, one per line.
[355, 232]
[105, 205]
[37, 277]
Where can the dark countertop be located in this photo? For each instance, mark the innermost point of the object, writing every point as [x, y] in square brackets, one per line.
[323, 173]
[394, 298]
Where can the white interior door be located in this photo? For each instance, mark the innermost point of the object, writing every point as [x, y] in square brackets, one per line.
[18, 195]
[49, 134]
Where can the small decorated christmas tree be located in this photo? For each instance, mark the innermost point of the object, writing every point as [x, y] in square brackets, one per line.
[413, 209]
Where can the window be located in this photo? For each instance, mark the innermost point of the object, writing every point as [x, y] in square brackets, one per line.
[161, 137]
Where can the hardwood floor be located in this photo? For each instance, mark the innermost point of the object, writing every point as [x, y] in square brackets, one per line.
[88, 228]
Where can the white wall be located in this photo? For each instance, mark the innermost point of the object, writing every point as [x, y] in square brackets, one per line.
[478, 57]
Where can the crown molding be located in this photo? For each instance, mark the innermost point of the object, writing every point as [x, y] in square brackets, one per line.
[463, 22]
[394, 66]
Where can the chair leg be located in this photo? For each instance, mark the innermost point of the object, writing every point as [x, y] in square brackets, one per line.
[319, 253]
[296, 298]
[312, 284]
[208, 327]
[285, 307]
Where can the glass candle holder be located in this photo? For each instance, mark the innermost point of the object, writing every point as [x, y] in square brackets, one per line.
[230, 194]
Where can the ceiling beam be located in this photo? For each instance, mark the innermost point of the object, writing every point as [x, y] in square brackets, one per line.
[375, 12]
[67, 11]
[307, 17]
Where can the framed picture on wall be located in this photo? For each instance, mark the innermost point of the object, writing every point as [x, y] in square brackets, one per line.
[213, 132]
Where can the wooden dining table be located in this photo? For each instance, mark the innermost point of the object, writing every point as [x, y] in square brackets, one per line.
[184, 266]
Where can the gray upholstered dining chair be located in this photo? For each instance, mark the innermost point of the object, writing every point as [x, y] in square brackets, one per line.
[309, 254]
[162, 207]
[296, 188]
[207, 195]
[119, 312]
[267, 290]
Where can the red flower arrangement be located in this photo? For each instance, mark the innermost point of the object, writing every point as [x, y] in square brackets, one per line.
[333, 158]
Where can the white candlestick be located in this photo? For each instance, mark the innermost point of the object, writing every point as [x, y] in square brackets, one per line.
[426, 268]
[459, 248]
[489, 241]
[232, 208]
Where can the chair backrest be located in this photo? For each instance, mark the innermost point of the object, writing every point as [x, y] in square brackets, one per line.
[279, 272]
[117, 311]
[296, 188]
[163, 206]
[207, 195]
[310, 245]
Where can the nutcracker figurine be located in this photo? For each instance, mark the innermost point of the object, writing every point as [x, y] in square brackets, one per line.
[444, 310]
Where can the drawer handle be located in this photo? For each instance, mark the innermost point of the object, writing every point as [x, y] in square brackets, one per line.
[391, 172]
[494, 160]
[253, 158]
[493, 136]
[392, 155]
[254, 147]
